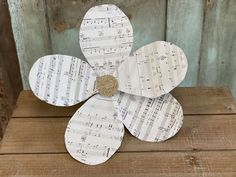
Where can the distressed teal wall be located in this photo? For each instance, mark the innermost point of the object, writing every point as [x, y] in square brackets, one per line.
[205, 29]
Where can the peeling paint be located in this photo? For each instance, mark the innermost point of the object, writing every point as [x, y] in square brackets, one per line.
[52, 26]
[61, 26]
[68, 14]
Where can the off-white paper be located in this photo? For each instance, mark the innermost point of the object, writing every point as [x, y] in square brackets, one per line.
[106, 38]
[152, 120]
[153, 70]
[94, 133]
[148, 111]
[62, 80]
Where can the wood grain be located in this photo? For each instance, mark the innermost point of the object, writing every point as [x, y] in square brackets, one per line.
[199, 100]
[218, 52]
[139, 164]
[10, 80]
[205, 146]
[205, 29]
[46, 135]
[184, 28]
[8, 56]
[65, 18]
[30, 31]
[5, 102]
[52, 26]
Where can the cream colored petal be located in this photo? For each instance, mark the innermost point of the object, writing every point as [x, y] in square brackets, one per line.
[152, 120]
[94, 133]
[106, 38]
[62, 80]
[153, 70]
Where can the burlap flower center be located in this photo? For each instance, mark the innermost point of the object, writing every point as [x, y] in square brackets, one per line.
[107, 85]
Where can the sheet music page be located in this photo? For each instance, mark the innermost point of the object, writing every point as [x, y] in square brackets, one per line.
[153, 70]
[94, 133]
[142, 104]
[106, 38]
[62, 80]
[149, 119]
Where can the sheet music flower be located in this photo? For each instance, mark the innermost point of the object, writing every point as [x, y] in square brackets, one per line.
[122, 89]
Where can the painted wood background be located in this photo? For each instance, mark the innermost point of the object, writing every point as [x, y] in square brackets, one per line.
[204, 29]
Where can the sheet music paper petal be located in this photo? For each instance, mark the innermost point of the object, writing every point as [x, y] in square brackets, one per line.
[62, 80]
[94, 133]
[153, 70]
[106, 38]
[149, 119]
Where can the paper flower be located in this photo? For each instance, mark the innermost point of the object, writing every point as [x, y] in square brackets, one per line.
[122, 89]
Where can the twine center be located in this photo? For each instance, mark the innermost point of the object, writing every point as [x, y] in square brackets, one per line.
[107, 85]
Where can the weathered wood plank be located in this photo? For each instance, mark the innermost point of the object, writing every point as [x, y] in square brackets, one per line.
[5, 102]
[65, 17]
[218, 62]
[184, 28]
[54, 26]
[8, 56]
[30, 32]
[40, 135]
[10, 79]
[155, 164]
[199, 100]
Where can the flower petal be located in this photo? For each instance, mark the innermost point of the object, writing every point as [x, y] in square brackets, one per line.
[106, 38]
[62, 80]
[94, 133]
[152, 120]
[153, 70]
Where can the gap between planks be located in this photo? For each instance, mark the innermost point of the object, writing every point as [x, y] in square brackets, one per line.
[33, 135]
[194, 100]
[123, 152]
[62, 117]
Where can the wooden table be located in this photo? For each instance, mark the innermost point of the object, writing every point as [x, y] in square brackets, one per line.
[205, 146]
